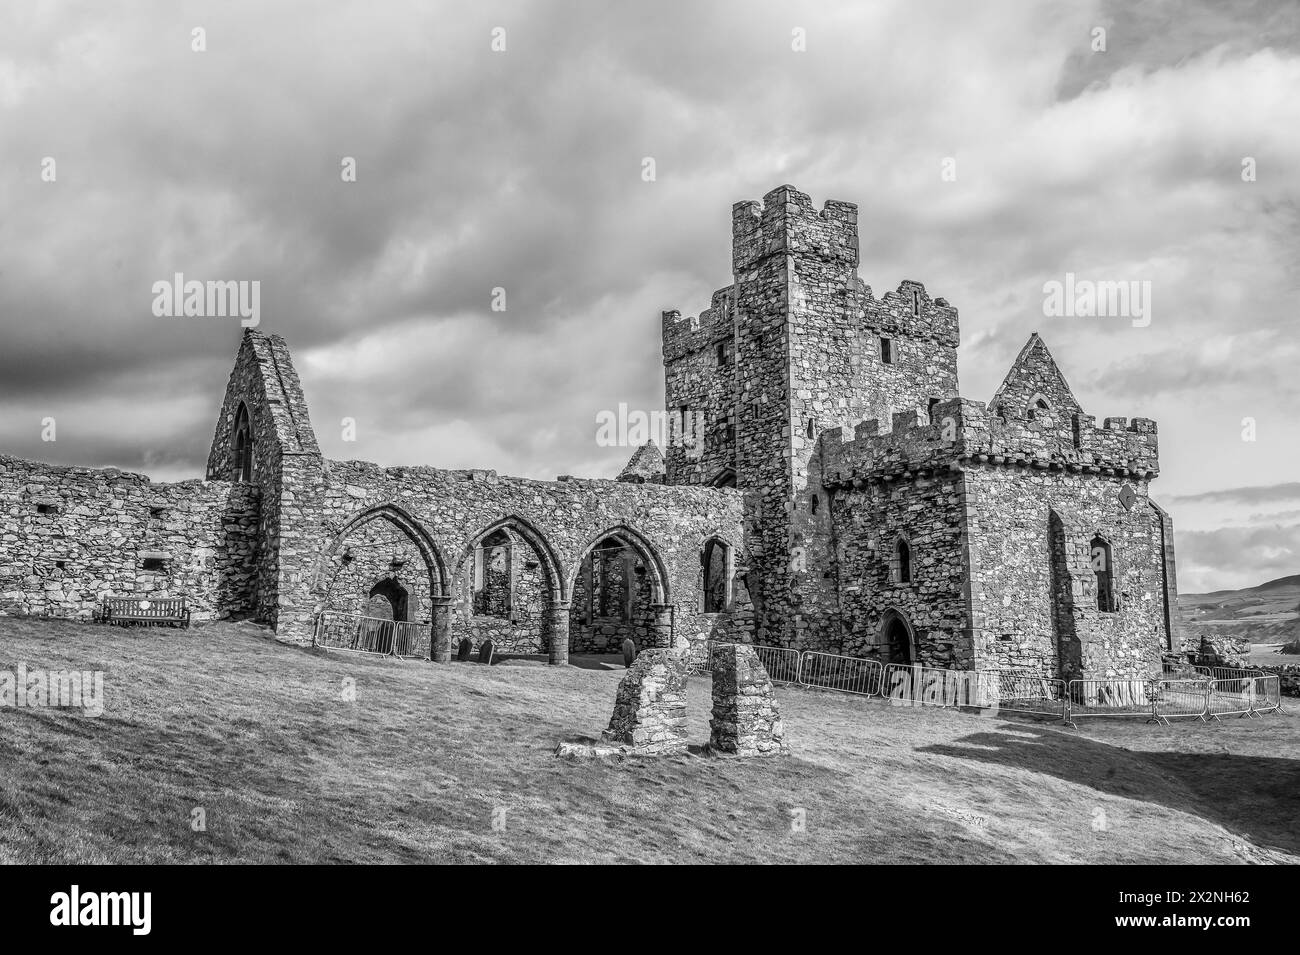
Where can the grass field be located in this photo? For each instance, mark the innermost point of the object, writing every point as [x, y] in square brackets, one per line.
[298, 756]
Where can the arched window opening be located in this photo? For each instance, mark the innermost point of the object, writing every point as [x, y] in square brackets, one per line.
[494, 576]
[901, 569]
[1037, 407]
[1104, 569]
[716, 580]
[242, 446]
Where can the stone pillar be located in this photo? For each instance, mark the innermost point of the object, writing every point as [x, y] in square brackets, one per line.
[746, 720]
[650, 709]
[440, 640]
[555, 623]
[659, 628]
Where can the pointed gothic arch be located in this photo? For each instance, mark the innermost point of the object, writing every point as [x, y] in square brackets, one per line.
[535, 539]
[656, 573]
[397, 516]
[724, 478]
[241, 446]
[897, 637]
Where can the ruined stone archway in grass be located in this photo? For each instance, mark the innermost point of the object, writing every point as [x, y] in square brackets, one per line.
[380, 552]
[618, 586]
[504, 587]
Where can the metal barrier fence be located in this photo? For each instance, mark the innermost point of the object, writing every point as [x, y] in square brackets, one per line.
[1230, 698]
[781, 663]
[1183, 692]
[915, 685]
[1027, 692]
[1268, 694]
[353, 632]
[831, 671]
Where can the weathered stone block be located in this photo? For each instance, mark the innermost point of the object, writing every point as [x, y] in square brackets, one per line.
[746, 718]
[650, 707]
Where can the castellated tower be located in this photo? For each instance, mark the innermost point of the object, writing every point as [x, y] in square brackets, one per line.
[798, 345]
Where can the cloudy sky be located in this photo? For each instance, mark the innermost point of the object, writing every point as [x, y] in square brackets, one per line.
[522, 169]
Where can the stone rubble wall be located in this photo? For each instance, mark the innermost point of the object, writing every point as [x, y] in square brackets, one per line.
[929, 512]
[100, 527]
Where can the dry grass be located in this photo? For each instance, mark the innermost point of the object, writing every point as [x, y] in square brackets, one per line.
[260, 735]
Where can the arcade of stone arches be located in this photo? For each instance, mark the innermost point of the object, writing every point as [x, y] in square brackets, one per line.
[510, 587]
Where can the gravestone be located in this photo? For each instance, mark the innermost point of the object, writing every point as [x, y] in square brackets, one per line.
[485, 652]
[629, 652]
[464, 649]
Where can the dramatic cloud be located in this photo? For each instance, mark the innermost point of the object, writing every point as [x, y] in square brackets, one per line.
[1271, 493]
[521, 170]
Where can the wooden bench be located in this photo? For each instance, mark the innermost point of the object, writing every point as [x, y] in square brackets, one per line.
[123, 611]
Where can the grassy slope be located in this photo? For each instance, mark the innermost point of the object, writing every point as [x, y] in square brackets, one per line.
[259, 734]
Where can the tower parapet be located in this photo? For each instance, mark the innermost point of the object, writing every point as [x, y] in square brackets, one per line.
[786, 223]
[686, 334]
[907, 312]
[959, 431]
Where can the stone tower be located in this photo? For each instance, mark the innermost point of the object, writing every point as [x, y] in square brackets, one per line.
[795, 346]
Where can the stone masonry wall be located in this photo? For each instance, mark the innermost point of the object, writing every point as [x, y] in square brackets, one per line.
[1014, 587]
[71, 536]
[928, 511]
[560, 520]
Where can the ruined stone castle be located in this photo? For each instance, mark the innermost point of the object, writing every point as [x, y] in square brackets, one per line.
[842, 496]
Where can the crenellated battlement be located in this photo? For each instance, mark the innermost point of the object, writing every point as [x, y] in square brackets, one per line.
[907, 312]
[787, 223]
[684, 334]
[962, 432]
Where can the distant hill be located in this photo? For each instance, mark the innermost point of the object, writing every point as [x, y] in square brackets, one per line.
[1266, 613]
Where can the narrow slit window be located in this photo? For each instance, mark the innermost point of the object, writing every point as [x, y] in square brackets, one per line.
[902, 562]
[1104, 569]
[886, 351]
